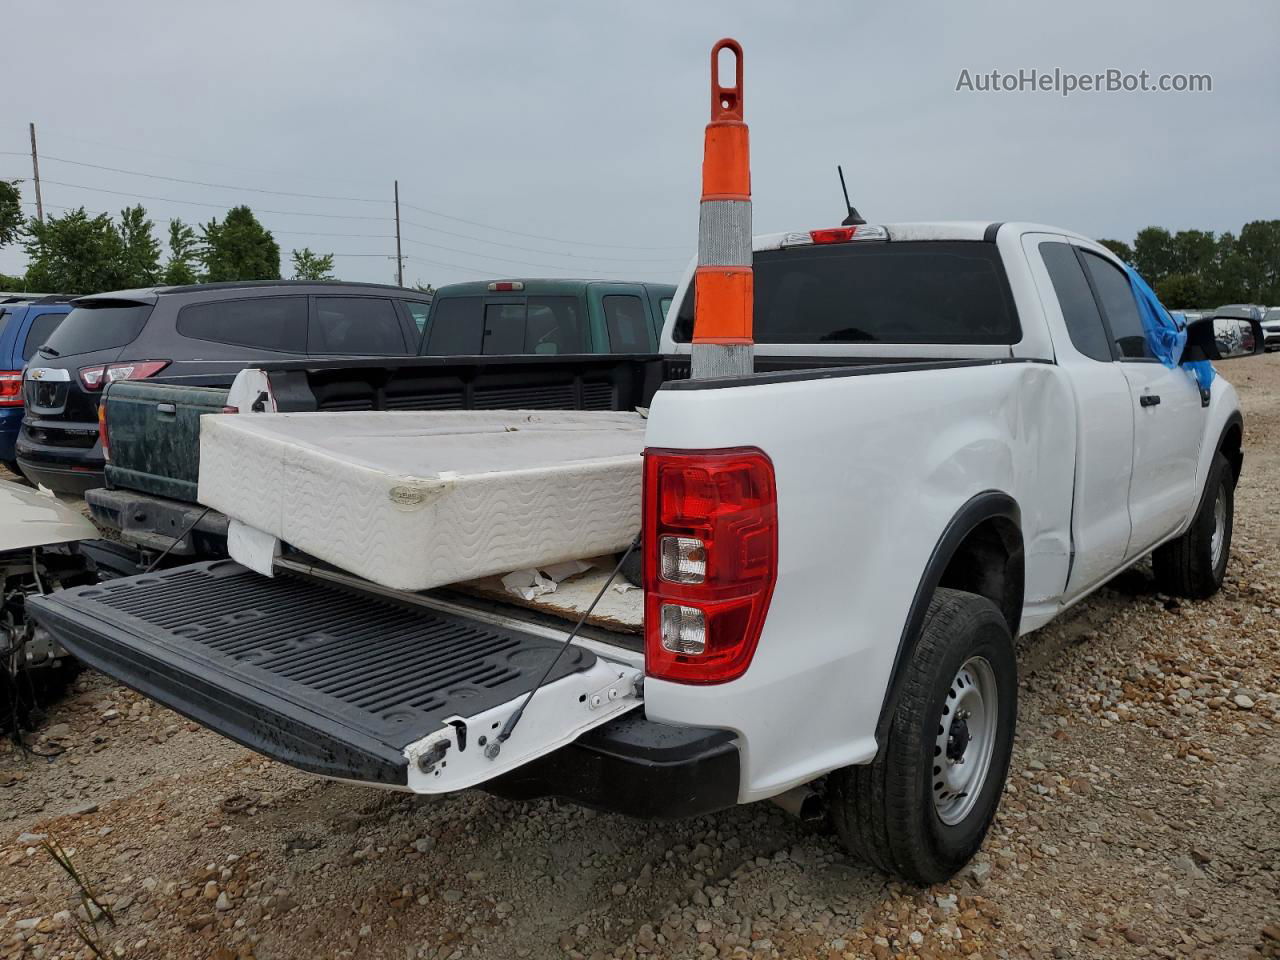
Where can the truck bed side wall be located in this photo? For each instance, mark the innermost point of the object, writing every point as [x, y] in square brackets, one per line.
[870, 471]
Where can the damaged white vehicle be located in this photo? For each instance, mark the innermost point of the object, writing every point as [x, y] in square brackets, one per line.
[953, 433]
[39, 553]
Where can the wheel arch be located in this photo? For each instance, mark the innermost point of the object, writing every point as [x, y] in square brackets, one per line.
[1231, 443]
[980, 551]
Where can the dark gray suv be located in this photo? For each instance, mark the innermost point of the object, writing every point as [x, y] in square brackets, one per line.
[200, 335]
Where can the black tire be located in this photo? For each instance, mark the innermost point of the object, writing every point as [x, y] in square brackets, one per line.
[1185, 567]
[884, 811]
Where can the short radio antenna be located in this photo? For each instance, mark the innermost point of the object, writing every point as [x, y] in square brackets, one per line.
[854, 218]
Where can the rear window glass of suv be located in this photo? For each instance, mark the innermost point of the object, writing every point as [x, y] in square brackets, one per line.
[268, 323]
[98, 325]
[38, 333]
[934, 291]
[356, 326]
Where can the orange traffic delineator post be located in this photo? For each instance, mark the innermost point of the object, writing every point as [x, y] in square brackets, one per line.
[723, 292]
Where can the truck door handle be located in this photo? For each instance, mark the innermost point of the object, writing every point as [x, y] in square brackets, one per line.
[171, 409]
[1149, 400]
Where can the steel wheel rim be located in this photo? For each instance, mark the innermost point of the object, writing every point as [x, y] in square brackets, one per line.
[1219, 527]
[966, 740]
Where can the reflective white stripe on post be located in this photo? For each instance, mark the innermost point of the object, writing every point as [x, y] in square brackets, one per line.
[724, 233]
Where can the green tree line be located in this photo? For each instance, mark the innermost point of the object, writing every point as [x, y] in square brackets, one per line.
[79, 253]
[1195, 268]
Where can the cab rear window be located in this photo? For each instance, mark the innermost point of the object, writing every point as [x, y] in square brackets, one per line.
[932, 291]
[97, 325]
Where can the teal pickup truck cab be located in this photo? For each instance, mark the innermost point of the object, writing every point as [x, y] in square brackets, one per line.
[503, 343]
[512, 317]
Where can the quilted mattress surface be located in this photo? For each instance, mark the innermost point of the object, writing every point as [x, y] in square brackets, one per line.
[414, 500]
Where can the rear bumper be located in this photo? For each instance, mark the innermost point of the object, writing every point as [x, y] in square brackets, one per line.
[73, 481]
[637, 767]
[63, 469]
[154, 522]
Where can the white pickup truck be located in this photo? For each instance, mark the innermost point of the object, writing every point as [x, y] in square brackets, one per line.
[955, 432]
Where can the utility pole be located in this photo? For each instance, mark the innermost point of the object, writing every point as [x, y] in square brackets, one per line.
[35, 169]
[399, 258]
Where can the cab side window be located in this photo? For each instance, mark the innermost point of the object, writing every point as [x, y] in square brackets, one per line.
[628, 327]
[1079, 309]
[1121, 309]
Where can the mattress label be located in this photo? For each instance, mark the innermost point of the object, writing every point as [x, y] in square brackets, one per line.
[406, 497]
[413, 496]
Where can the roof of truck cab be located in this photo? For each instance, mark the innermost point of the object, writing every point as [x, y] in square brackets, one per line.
[539, 286]
[976, 230]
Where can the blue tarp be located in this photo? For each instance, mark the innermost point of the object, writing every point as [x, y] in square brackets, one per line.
[1166, 332]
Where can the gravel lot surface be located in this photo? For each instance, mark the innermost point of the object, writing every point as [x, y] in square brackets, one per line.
[1142, 819]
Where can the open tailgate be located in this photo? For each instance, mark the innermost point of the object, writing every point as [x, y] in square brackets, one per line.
[336, 681]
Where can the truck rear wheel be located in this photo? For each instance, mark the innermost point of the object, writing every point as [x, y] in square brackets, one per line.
[1195, 564]
[921, 809]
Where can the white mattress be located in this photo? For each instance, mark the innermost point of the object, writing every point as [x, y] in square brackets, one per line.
[414, 500]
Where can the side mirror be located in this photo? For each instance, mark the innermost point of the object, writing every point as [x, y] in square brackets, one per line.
[1223, 338]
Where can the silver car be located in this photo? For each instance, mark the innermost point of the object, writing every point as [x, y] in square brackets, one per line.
[1271, 328]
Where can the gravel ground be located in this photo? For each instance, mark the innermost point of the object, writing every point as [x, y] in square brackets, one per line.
[1142, 819]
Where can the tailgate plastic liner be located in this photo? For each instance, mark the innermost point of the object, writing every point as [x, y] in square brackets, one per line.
[327, 679]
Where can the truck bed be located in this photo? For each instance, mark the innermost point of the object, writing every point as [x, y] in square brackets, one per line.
[154, 428]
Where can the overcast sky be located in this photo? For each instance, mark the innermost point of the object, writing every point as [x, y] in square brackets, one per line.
[566, 137]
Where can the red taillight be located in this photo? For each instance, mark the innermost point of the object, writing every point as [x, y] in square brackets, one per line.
[506, 286]
[94, 378]
[10, 388]
[102, 431]
[710, 560]
[833, 235]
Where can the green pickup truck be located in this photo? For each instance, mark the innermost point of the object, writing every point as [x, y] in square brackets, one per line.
[511, 317]
[528, 344]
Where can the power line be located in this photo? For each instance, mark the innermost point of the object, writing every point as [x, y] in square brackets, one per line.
[487, 256]
[316, 196]
[337, 216]
[532, 236]
[200, 183]
[198, 161]
[425, 243]
[224, 205]
[480, 271]
[553, 253]
[455, 266]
